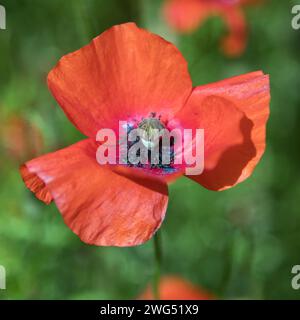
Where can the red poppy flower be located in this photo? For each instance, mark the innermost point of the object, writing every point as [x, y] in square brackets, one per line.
[175, 288]
[188, 15]
[128, 73]
[20, 139]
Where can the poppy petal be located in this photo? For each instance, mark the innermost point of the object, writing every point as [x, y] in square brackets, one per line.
[124, 73]
[233, 114]
[93, 200]
[251, 2]
[176, 288]
[234, 44]
[186, 15]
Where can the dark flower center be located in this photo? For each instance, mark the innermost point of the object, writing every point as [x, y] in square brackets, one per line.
[151, 132]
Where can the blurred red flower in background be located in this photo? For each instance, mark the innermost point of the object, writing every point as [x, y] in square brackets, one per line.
[128, 73]
[176, 288]
[187, 15]
[20, 139]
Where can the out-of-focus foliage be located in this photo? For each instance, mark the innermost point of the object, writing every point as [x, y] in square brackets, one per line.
[241, 243]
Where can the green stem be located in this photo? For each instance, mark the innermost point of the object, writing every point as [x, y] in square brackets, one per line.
[158, 262]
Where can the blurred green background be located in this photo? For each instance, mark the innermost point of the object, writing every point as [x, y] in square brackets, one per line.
[240, 243]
